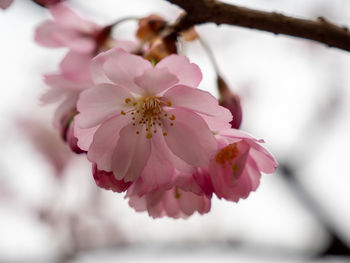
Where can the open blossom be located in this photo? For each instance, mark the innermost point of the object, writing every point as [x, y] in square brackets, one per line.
[146, 121]
[68, 30]
[236, 168]
[65, 90]
[4, 4]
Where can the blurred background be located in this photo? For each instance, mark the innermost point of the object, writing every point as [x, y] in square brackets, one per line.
[295, 95]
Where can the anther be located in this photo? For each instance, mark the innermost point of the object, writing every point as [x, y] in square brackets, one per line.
[123, 112]
[149, 135]
[137, 132]
[169, 103]
[172, 117]
[127, 100]
[165, 134]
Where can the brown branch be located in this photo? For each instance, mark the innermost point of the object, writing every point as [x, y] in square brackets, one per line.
[203, 11]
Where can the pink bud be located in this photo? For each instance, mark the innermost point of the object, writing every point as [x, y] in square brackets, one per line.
[231, 101]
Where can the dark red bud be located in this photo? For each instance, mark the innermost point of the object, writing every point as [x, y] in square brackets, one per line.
[231, 101]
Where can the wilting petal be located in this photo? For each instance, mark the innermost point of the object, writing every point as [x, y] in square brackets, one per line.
[131, 154]
[154, 81]
[188, 73]
[122, 68]
[104, 142]
[98, 104]
[190, 138]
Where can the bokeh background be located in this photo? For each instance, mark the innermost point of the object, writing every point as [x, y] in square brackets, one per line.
[295, 95]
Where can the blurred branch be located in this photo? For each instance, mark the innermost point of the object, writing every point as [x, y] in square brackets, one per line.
[204, 11]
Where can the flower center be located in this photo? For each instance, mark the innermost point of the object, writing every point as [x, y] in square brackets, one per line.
[227, 154]
[147, 113]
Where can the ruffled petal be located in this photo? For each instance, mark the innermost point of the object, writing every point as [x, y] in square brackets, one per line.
[190, 137]
[154, 81]
[188, 73]
[98, 104]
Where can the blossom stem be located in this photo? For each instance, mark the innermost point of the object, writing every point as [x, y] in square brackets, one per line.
[210, 55]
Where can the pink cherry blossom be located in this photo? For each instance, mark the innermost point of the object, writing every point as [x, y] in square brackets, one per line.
[236, 168]
[148, 120]
[68, 30]
[4, 4]
[174, 202]
[65, 90]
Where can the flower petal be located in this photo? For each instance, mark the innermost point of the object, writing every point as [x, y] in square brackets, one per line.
[122, 68]
[104, 142]
[188, 73]
[84, 136]
[131, 154]
[190, 137]
[98, 104]
[154, 81]
[198, 100]
[66, 17]
[75, 66]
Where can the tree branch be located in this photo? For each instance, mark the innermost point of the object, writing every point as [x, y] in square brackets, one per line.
[203, 11]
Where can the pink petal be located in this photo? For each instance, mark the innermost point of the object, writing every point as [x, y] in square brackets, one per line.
[99, 103]
[45, 34]
[122, 68]
[131, 154]
[263, 159]
[67, 106]
[190, 203]
[75, 66]
[104, 142]
[97, 63]
[197, 100]
[154, 81]
[4, 4]
[190, 138]
[159, 170]
[107, 181]
[65, 17]
[84, 136]
[188, 73]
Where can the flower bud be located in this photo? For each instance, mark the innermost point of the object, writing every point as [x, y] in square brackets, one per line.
[231, 101]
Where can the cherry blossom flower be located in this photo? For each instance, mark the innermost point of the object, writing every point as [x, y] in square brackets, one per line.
[146, 121]
[236, 168]
[180, 201]
[69, 30]
[66, 90]
[4, 4]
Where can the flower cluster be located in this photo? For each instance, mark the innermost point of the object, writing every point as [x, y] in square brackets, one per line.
[136, 110]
